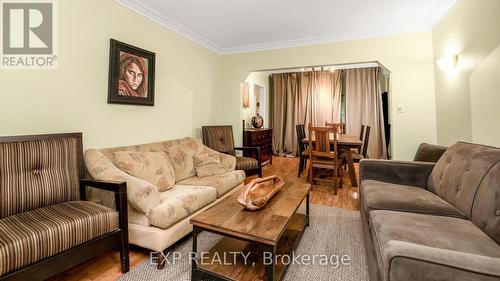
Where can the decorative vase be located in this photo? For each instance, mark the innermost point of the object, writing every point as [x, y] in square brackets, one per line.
[257, 121]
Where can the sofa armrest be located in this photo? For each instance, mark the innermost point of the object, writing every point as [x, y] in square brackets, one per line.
[120, 191]
[408, 261]
[142, 195]
[429, 152]
[398, 172]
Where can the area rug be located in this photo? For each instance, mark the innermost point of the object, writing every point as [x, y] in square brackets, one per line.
[334, 233]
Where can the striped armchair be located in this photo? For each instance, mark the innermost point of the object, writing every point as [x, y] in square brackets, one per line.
[46, 226]
[220, 138]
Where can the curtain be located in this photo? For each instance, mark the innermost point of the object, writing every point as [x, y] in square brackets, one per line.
[363, 102]
[327, 92]
[304, 97]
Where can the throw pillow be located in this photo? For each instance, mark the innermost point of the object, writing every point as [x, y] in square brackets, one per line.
[181, 157]
[208, 164]
[153, 167]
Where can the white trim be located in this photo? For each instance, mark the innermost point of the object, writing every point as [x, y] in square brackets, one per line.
[313, 41]
[325, 67]
[438, 12]
[440, 9]
[152, 14]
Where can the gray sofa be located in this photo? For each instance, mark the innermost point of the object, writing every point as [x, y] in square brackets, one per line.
[433, 221]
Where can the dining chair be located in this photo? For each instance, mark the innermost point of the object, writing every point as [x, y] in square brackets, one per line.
[341, 130]
[361, 133]
[366, 139]
[321, 156]
[354, 150]
[303, 153]
[363, 154]
[341, 126]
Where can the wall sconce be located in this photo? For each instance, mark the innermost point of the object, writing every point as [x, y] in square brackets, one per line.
[448, 63]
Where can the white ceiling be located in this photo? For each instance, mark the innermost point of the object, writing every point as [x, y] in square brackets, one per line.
[232, 26]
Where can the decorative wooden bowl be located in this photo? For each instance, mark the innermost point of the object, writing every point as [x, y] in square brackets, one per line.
[258, 192]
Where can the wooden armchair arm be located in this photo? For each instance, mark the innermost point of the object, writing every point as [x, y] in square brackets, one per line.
[113, 186]
[249, 148]
[120, 191]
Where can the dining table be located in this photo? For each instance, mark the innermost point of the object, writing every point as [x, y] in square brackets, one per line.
[347, 143]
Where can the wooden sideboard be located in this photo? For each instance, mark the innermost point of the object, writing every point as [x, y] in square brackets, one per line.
[262, 138]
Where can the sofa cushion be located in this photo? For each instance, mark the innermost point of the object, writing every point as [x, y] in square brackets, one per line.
[208, 164]
[161, 146]
[227, 161]
[458, 173]
[34, 235]
[435, 232]
[486, 205]
[246, 163]
[405, 261]
[141, 195]
[179, 202]
[222, 183]
[153, 167]
[137, 217]
[379, 195]
[181, 157]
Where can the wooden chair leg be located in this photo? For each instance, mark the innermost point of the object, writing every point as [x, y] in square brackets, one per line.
[304, 165]
[124, 253]
[310, 176]
[341, 177]
[335, 178]
[300, 166]
[308, 171]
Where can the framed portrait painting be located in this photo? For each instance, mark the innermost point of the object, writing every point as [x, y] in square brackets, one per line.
[131, 75]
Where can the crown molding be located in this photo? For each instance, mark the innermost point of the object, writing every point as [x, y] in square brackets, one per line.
[438, 12]
[315, 41]
[154, 15]
[440, 9]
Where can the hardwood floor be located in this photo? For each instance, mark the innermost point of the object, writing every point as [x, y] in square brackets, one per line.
[107, 266]
[286, 168]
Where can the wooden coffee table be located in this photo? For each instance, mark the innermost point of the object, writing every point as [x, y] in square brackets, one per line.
[272, 231]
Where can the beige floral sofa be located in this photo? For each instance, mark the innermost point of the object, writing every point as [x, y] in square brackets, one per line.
[167, 183]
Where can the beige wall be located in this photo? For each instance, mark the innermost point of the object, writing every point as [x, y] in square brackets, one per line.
[195, 86]
[73, 97]
[409, 57]
[485, 100]
[470, 30]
